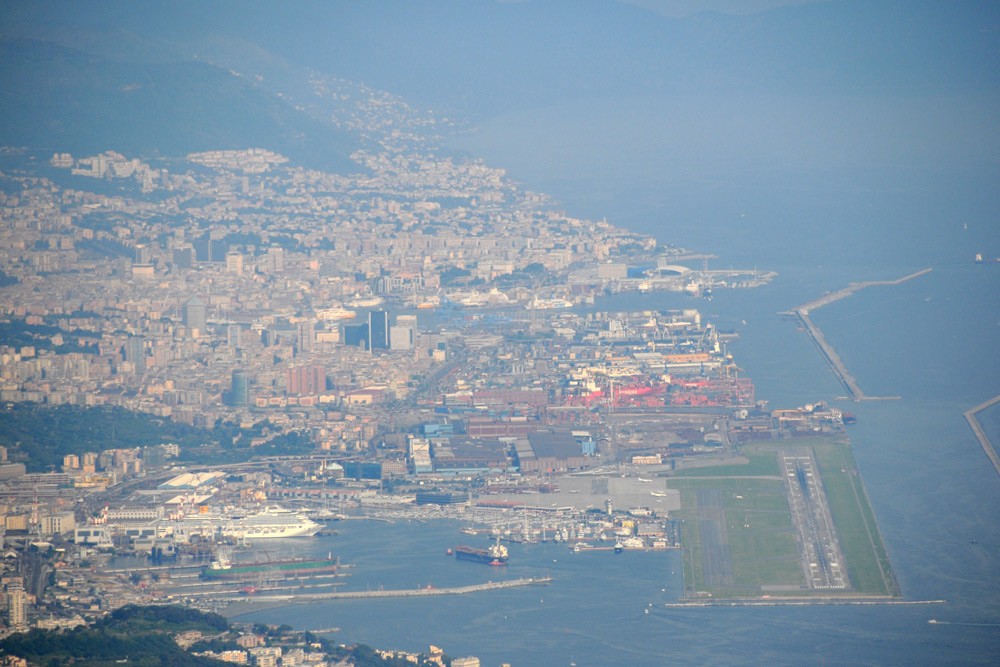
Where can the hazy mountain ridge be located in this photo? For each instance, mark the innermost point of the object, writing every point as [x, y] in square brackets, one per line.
[478, 57]
[66, 100]
[485, 57]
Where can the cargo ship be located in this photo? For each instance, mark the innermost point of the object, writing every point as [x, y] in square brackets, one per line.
[496, 554]
[297, 567]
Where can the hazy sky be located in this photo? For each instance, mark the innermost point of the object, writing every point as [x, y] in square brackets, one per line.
[688, 7]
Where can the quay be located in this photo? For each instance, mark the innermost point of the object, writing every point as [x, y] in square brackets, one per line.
[801, 313]
[399, 593]
[977, 428]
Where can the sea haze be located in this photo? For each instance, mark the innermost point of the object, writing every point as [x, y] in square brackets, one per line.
[831, 142]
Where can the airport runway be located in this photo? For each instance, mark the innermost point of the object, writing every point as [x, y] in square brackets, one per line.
[822, 558]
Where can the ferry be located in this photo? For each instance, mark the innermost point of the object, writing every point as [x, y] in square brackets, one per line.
[336, 313]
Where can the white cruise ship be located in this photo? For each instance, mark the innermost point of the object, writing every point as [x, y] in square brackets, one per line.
[268, 523]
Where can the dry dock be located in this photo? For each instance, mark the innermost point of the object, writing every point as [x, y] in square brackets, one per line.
[854, 392]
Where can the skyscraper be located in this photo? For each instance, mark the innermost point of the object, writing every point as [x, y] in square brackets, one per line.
[378, 330]
[403, 336]
[195, 314]
[135, 353]
[306, 335]
[17, 608]
[356, 334]
[143, 254]
[210, 250]
[240, 394]
[234, 335]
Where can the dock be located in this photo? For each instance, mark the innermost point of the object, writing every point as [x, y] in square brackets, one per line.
[977, 428]
[801, 313]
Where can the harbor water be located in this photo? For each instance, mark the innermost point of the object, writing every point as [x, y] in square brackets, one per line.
[931, 341]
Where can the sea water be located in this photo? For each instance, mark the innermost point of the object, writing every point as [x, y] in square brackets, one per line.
[931, 341]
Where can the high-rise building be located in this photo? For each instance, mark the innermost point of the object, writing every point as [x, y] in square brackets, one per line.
[135, 353]
[378, 330]
[143, 254]
[306, 335]
[234, 263]
[184, 257]
[356, 334]
[195, 314]
[17, 608]
[240, 394]
[400, 337]
[306, 380]
[210, 250]
[234, 335]
[276, 258]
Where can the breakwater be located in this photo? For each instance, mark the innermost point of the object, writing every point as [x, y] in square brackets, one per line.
[801, 313]
[977, 428]
[398, 593]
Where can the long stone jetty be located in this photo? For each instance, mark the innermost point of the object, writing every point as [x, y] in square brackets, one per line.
[977, 428]
[397, 593]
[801, 313]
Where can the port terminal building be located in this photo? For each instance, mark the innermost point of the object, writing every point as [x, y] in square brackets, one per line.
[555, 451]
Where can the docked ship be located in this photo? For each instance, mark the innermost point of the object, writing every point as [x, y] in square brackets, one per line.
[336, 313]
[496, 554]
[268, 523]
[297, 567]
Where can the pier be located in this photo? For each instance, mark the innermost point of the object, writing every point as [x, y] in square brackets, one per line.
[977, 428]
[801, 313]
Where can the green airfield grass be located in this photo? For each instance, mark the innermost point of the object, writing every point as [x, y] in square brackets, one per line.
[762, 540]
[760, 465]
[867, 559]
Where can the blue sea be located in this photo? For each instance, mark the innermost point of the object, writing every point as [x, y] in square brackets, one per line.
[933, 341]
